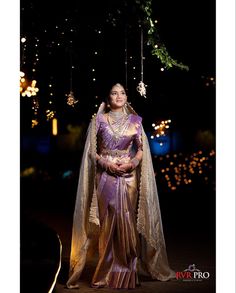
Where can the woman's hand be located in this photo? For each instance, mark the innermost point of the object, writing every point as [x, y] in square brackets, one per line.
[114, 169]
[110, 167]
[125, 167]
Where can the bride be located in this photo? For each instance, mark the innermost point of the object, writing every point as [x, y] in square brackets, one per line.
[117, 201]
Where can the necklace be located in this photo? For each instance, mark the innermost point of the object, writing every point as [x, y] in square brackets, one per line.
[116, 115]
[118, 125]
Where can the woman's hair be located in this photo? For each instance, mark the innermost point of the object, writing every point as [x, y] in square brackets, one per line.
[106, 100]
[114, 84]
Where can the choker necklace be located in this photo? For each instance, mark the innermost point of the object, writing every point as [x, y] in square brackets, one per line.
[118, 126]
[116, 115]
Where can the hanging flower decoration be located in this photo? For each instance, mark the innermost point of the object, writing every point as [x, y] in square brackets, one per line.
[141, 88]
[153, 39]
[71, 101]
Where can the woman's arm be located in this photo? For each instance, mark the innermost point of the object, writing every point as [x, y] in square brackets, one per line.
[137, 159]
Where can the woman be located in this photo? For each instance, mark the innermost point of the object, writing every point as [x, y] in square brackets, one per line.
[117, 201]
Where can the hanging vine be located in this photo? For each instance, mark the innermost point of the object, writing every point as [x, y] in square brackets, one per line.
[153, 39]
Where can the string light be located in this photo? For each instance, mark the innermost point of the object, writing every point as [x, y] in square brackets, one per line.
[209, 81]
[26, 88]
[180, 170]
[50, 114]
[160, 128]
[35, 106]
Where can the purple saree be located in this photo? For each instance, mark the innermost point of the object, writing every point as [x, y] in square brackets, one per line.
[119, 246]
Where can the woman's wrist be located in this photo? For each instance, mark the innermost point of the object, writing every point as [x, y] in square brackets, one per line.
[102, 163]
[134, 163]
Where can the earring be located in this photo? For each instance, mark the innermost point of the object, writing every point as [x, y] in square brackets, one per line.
[108, 106]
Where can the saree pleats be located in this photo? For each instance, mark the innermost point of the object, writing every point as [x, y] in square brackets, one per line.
[118, 241]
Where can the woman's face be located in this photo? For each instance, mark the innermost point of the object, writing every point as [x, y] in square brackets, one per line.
[117, 97]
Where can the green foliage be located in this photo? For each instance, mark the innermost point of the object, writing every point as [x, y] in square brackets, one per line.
[158, 49]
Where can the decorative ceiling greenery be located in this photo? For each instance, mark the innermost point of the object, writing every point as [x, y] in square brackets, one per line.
[140, 12]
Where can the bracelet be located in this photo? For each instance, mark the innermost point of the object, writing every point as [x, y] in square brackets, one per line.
[134, 162]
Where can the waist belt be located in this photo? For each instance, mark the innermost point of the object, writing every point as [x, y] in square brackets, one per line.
[114, 152]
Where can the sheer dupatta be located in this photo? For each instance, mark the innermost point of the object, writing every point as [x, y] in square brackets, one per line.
[86, 222]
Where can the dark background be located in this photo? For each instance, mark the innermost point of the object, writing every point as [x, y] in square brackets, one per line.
[187, 29]
[50, 164]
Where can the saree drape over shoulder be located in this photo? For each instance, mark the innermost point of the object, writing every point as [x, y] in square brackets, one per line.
[121, 212]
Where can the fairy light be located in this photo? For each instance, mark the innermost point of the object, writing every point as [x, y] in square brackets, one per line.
[208, 80]
[50, 114]
[35, 106]
[181, 170]
[26, 88]
[160, 128]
